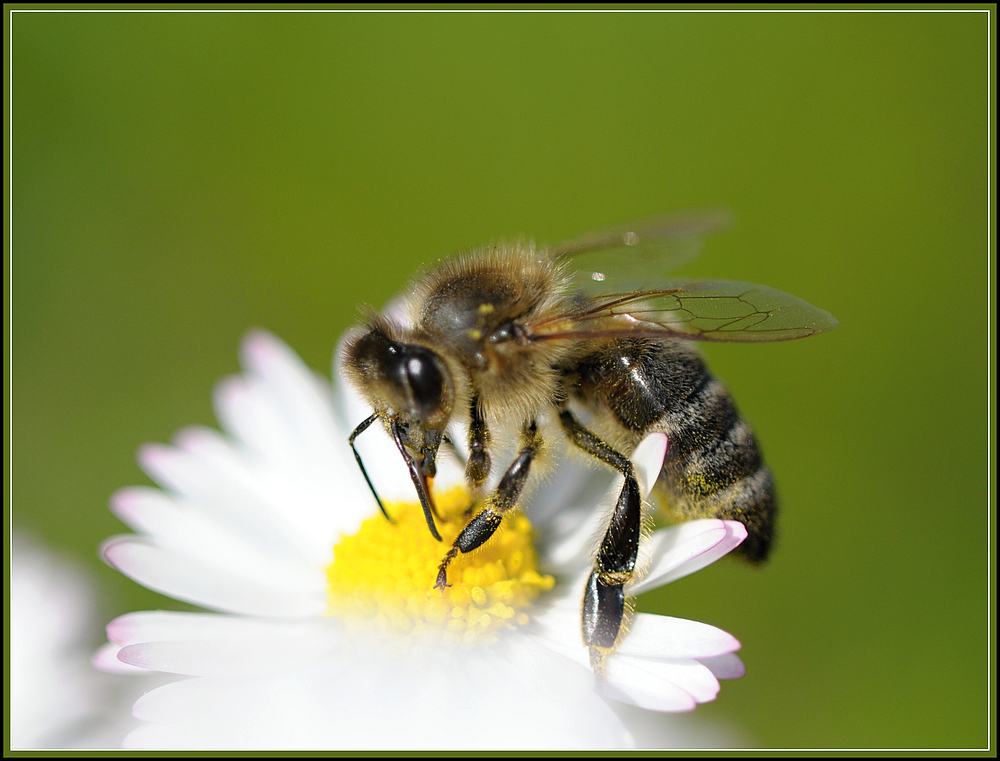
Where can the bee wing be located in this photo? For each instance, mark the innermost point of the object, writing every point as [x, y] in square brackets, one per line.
[640, 250]
[699, 310]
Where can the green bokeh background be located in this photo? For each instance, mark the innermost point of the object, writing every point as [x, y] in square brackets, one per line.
[181, 178]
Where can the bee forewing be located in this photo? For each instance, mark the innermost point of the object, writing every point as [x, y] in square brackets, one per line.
[727, 310]
[700, 310]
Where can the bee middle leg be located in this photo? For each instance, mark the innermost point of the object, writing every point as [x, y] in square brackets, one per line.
[604, 599]
[478, 530]
[477, 467]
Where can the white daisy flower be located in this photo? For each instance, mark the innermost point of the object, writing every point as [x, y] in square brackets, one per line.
[326, 630]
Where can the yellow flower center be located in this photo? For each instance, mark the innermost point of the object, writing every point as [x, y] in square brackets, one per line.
[386, 573]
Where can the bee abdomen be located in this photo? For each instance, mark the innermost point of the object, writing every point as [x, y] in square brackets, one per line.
[714, 467]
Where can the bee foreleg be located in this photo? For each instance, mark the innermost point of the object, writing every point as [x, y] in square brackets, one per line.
[604, 600]
[482, 526]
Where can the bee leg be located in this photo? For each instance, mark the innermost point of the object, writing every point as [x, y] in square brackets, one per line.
[477, 467]
[604, 608]
[483, 525]
[362, 427]
[447, 441]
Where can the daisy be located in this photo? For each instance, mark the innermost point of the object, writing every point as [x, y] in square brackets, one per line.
[325, 629]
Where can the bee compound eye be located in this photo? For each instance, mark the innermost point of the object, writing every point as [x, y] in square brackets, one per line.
[425, 376]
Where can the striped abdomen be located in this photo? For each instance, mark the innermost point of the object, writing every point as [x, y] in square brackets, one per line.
[713, 467]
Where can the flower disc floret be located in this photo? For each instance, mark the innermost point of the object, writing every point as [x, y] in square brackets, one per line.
[386, 572]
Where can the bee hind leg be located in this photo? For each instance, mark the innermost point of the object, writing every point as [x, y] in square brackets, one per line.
[604, 604]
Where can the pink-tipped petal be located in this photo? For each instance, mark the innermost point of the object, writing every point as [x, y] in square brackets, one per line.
[725, 666]
[235, 658]
[647, 682]
[631, 683]
[155, 625]
[688, 547]
[198, 582]
[220, 645]
[188, 530]
[106, 659]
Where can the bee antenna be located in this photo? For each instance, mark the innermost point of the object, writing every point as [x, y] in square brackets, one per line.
[350, 440]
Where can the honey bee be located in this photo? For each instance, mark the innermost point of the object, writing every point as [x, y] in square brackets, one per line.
[506, 338]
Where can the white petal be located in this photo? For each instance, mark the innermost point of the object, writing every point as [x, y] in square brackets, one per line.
[249, 529]
[660, 685]
[667, 637]
[725, 666]
[633, 685]
[453, 699]
[283, 417]
[171, 737]
[52, 690]
[57, 698]
[208, 644]
[229, 483]
[106, 659]
[188, 700]
[648, 460]
[654, 666]
[319, 493]
[305, 403]
[565, 492]
[578, 548]
[247, 412]
[199, 582]
[155, 625]
[558, 623]
[184, 529]
[680, 550]
[251, 657]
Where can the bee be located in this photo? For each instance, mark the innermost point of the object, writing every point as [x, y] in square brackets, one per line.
[507, 338]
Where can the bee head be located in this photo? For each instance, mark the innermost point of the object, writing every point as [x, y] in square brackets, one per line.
[410, 388]
[404, 380]
[407, 384]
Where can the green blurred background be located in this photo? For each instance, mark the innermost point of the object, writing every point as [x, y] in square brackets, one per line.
[180, 178]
